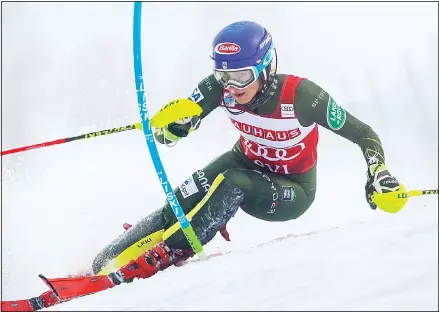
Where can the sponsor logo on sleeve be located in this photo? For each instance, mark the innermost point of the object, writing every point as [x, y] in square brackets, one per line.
[196, 95]
[336, 115]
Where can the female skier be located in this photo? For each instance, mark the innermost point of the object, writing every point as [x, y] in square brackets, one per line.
[270, 173]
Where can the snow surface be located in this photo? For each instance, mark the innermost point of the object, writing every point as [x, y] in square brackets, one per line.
[68, 69]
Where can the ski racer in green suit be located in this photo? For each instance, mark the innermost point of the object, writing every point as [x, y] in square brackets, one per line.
[270, 173]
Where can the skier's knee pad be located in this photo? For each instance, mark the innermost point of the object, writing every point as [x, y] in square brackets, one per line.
[215, 209]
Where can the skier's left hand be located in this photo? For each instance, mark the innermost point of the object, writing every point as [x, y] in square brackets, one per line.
[379, 180]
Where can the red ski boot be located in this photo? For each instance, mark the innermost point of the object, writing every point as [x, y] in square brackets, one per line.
[49, 298]
[150, 262]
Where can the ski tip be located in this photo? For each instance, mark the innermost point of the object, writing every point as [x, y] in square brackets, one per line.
[43, 277]
[48, 283]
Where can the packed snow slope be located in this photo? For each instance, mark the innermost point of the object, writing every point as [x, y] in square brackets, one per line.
[67, 69]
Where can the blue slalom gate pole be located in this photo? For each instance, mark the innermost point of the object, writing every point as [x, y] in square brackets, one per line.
[149, 136]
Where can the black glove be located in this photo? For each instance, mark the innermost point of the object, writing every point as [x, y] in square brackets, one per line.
[181, 128]
[379, 180]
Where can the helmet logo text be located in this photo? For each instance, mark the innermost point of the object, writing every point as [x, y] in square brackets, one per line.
[227, 48]
[264, 43]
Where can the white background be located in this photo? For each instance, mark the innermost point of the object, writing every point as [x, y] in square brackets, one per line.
[67, 69]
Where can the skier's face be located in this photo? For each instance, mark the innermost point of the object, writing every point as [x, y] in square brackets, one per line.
[244, 96]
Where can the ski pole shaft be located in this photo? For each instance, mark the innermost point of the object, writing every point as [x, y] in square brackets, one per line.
[75, 138]
[420, 193]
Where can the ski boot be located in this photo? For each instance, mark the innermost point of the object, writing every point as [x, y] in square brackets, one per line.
[150, 262]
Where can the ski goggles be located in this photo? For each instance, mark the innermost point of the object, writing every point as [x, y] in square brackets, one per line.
[243, 77]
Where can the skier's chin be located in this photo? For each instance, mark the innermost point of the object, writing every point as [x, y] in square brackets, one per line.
[243, 99]
[246, 95]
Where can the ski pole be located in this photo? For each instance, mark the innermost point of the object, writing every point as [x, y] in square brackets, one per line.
[75, 138]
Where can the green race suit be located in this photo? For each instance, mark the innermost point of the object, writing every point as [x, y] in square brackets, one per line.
[261, 191]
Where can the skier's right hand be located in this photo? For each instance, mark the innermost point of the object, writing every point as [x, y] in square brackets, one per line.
[173, 132]
[381, 181]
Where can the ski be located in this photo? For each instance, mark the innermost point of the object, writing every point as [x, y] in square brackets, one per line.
[61, 290]
[67, 288]
[32, 304]
[45, 300]
[75, 286]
